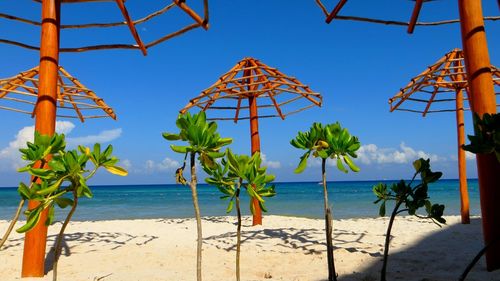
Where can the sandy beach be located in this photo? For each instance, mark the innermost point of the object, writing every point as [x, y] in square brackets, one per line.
[284, 248]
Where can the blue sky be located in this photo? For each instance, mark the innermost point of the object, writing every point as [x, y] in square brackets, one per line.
[356, 66]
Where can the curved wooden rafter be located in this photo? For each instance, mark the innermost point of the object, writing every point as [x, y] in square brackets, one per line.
[181, 4]
[20, 93]
[437, 84]
[251, 78]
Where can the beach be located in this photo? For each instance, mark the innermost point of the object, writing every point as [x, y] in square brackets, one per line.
[283, 248]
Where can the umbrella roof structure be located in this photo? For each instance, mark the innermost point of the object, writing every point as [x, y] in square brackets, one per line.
[199, 21]
[74, 100]
[253, 86]
[440, 84]
[437, 86]
[251, 78]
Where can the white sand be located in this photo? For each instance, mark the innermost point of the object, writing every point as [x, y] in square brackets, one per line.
[285, 248]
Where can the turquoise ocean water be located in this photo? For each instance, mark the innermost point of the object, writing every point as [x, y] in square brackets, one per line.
[350, 199]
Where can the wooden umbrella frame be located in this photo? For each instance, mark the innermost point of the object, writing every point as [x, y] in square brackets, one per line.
[49, 87]
[132, 24]
[435, 85]
[251, 81]
[74, 100]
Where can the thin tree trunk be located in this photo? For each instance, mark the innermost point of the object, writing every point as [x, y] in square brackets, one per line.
[12, 223]
[197, 215]
[238, 233]
[332, 275]
[57, 251]
[388, 240]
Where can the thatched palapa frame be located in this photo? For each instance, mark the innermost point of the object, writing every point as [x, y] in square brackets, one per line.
[74, 100]
[443, 83]
[249, 82]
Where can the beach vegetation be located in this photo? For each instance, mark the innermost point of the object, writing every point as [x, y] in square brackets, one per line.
[414, 196]
[325, 142]
[487, 137]
[234, 173]
[57, 172]
[203, 141]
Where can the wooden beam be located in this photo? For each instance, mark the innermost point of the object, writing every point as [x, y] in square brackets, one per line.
[36, 239]
[131, 26]
[335, 11]
[462, 165]
[481, 90]
[414, 15]
[192, 14]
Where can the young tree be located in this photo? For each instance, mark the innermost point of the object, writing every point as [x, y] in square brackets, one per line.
[413, 198]
[327, 141]
[202, 140]
[55, 173]
[236, 172]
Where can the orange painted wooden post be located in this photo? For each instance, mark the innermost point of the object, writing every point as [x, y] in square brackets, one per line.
[462, 175]
[254, 133]
[482, 93]
[35, 239]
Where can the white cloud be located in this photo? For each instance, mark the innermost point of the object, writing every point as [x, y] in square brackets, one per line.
[10, 157]
[269, 163]
[166, 164]
[370, 153]
[102, 137]
[126, 164]
[470, 156]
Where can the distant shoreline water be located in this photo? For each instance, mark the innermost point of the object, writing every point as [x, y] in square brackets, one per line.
[349, 199]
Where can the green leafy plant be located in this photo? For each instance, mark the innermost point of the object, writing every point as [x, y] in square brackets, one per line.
[56, 173]
[324, 142]
[236, 172]
[413, 198]
[487, 137]
[202, 140]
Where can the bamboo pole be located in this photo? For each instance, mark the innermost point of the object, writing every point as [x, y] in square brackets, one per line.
[482, 95]
[36, 239]
[462, 175]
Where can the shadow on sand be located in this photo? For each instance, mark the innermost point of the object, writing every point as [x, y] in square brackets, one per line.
[441, 256]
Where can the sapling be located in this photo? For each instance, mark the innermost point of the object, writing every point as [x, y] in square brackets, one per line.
[55, 173]
[204, 141]
[413, 198]
[234, 173]
[324, 142]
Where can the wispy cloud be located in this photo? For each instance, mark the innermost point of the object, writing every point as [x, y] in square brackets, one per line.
[102, 137]
[166, 164]
[371, 153]
[10, 157]
[269, 163]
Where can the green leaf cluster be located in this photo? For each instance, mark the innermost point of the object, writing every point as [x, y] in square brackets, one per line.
[202, 138]
[413, 197]
[327, 141]
[235, 171]
[56, 172]
[487, 138]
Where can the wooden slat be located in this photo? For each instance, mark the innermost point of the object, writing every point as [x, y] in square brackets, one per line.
[131, 26]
